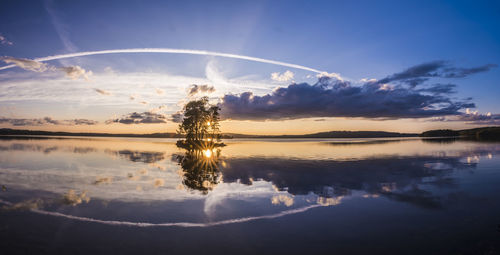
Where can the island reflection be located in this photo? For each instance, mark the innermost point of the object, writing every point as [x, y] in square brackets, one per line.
[200, 166]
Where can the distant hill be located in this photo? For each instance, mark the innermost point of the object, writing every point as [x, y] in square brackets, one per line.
[331, 134]
[485, 133]
[8, 131]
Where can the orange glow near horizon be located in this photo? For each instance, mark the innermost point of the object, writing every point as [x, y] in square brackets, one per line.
[284, 127]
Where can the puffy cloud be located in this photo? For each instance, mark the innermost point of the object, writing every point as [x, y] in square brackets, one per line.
[195, 89]
[138, 118]
[282, 199]
[75, 72]
[73, 198]
[4, 41]
[46, 121]
[330, 75]
[160, 91]
[286, 76]
[102, 92]
[419, 74]
[27, 64]
[334, 98]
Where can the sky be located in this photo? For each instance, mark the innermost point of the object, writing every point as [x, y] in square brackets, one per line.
[274, 67]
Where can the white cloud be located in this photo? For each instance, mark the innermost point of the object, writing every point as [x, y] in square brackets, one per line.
[4, 41]
[160, 91]
[330, 75]
[75, 72]
[282, 77]
[102, 92]
[365, 80]
[27, 64]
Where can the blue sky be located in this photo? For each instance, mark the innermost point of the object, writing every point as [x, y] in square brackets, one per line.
[355, 39]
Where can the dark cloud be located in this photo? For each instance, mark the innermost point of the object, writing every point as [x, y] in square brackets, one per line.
[333, 98]
[440, 89]
[330, 178]
[392, 97]
[418, 74]
[195, 89]
[139, 156]
[46, 121]
[138, 118]
[177, 117]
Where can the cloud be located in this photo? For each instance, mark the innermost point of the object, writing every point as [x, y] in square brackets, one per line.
[160, 91]
[331, 97]
[282, 199]
[75, 72]
[286, 76]
[46, 121]
[439, 89]
[177, 117]
[73, 198]
[139, 118]
[195, 89]
[157, 109]
[329, 75]
[102, 92]
[419, 74]
[27, 64]
[4, 41]
[472, 117]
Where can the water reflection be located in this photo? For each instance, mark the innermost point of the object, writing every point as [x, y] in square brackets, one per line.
[250, 178]
[200, 168]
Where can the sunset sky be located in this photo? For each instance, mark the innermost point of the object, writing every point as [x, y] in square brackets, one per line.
[274, 67]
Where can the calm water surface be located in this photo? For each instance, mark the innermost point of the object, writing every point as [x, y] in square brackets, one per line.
[311, 196]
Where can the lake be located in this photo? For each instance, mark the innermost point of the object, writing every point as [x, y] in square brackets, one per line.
[81, 195]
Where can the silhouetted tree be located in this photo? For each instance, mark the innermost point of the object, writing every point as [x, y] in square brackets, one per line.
[201, 121]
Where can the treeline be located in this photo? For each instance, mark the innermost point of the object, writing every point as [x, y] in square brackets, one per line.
[331, 134]
[485, 133]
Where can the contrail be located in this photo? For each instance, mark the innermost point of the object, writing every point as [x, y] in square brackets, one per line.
[170, 224]
[169, 50]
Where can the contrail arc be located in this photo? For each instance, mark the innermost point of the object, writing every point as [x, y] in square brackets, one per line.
[171, 224]
[174, 51]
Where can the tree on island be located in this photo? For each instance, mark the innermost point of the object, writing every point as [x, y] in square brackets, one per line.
[200, 124]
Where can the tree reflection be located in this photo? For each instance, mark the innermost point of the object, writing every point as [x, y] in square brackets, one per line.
[200, 167]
